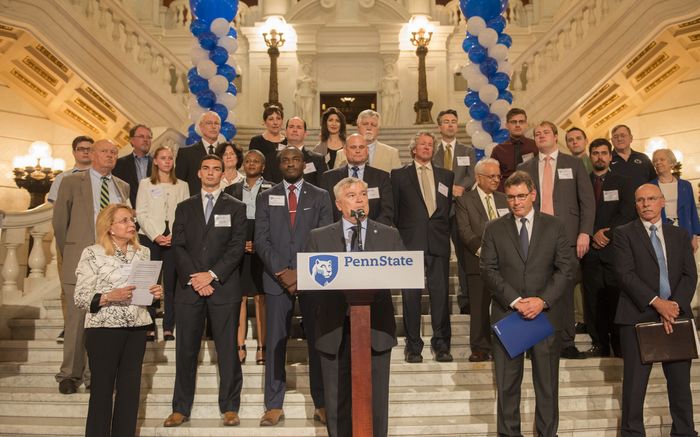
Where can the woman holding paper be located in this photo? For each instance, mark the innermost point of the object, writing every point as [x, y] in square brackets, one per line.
[115, 330]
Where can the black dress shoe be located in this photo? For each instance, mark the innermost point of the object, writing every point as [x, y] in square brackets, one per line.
[443, 357]
[572, 353]
[581, 328]
[67, 387]
[479, 356]
[168, 337]
[412, 357]
[597, 351]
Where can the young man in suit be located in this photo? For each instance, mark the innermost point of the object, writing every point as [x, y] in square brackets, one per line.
[378, 182]
[381, 156]
[137, 165]
[564, 190]
[527, 244]
[314, 163]
[208, 239]
[333, 342]
[422, 202]
[473, 210]
[518, 148]
[284, 216]
[658, 276]
[189, 158]
[80, 198]
[614, 206]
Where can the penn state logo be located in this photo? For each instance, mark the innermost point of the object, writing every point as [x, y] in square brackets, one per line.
[323, 268]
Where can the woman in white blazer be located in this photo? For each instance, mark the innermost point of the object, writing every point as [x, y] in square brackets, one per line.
[156, 201]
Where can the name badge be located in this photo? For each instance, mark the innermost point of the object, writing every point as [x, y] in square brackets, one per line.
[281, 146]
[463, 161]
[222, 221]
[373, 193]
[502, 211]
[309, 168]
[156, 192]
[277, 200]
[565, 173]
[442, 189]
[528, 156]
[610, 195]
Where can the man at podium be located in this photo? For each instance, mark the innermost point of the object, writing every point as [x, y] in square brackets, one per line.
[333, 327]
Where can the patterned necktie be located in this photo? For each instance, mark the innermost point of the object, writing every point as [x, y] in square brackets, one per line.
[427, 193]
[448, 157]
[355, 169]
[664, 285]
[209, 208]
[489, 208]
[524, 237]
[292, 204]
[104, 193]
[547, 204]
[211, 149]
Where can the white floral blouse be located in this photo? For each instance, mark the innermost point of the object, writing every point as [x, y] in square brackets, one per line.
[98, 273]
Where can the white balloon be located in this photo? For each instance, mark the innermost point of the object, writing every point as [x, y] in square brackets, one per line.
[505, 67]
[488, 93]
[475, 25]
[499, 52]
[500, 107]
[220, 27]
[473, 126]
[196, 112]
[229, 43]
[489, 148]
[198, 54]
[470, 69]
[476, 81]
[227, 99]
[231, 117]
[206, 69]
[481, 139]
[218, 84]
[488, 38]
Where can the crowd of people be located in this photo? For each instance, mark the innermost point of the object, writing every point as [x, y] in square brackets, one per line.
[528, 225]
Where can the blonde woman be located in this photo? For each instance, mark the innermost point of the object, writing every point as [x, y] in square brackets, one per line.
[115, 330]
[155, 208]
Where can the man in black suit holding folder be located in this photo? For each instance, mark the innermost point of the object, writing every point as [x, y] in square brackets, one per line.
[657, 275]
[526, 264]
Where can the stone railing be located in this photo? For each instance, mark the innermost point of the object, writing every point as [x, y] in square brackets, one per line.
[15, 226]
[178, 16]
[518, 13]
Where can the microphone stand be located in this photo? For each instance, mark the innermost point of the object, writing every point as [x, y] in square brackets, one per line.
[359, 215]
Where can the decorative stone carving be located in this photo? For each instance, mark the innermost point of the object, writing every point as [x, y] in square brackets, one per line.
[391, 95]
[305, 93]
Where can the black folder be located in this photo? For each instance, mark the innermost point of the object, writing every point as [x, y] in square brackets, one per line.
[655, 346]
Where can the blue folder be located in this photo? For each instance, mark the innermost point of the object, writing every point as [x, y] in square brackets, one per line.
[518, 334]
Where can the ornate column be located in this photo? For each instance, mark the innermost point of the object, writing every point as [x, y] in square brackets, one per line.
[423, 105]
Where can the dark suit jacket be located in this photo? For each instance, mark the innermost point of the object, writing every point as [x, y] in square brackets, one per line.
[685, 208]
[200, 247]
[276, 242]
[471, 220]
[418, 231]
[187, 165]
[381, 209]
[332, 306]
[125, 169]
[638, 272]
[573, 198]
[464, 174]
[313, 177]
[546, 273]
[613, 213]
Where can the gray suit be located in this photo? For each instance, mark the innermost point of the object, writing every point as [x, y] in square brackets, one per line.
[74, 229]
[471, 219]
[548, 272]
[333, 340]
[277, 244]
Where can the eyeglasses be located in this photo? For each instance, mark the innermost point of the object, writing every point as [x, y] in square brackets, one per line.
[648, 199]
[493, 177]
[143, 137]
[211, 123]
[520, 197]
[126, 221]
[82, 149]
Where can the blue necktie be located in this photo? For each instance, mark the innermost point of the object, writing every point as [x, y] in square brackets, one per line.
[355, 170]
[209, 208]
[524, 237]
[664, 285]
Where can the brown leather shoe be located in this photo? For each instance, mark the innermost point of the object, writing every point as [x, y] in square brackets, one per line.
[175, 419]
[320, 415]
[479, 356]
[272, 417]
[231, 419]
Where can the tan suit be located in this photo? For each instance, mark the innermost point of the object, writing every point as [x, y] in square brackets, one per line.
[385, 158]
[74, 228]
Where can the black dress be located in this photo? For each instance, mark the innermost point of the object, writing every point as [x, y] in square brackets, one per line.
[252, 267]
[269, 149]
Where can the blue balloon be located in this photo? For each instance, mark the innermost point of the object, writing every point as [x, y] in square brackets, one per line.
[488, 66]
[208, 10]
[228, 130]
[218, 55]
[487, 9]
[191, 131]
[221, 110]
[491, 123]
[498, 24]
[479, 110]
[506, 95]
[192, 73]
[206, 98]
[468, 43]
[232, 89]
[505, 39]
[227, 71]
[198, 84]
[500, 80]
[198, 27]
[191, 139]
[477, 54]
[501, 136]
[471, 98]
[232, 32]
[208, 40]
[479, 154]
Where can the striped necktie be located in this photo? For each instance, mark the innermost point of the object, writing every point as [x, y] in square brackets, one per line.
[104, 193]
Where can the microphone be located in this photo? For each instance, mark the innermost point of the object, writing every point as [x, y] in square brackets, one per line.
[358, 214]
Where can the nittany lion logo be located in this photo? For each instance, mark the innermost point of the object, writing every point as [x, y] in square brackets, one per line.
[323, 268]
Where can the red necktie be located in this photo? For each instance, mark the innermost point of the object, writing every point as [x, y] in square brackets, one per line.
[292, 204]
[598, 189]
